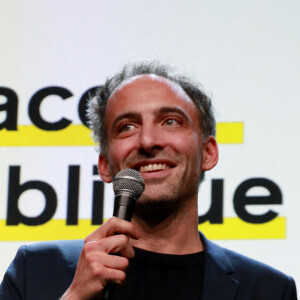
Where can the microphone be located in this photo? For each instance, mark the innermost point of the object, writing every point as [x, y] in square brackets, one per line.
[128, 186]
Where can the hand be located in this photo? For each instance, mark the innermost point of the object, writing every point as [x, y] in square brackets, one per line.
[96, 267]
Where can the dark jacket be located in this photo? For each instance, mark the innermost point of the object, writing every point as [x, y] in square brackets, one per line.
[45, 270]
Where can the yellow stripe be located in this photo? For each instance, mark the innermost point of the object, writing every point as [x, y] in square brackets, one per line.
[79, 135]
[52, 230]
[230, 133]
[29, 135]
[233, 228]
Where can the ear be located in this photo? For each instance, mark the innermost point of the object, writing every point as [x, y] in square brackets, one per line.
[210, 154]
[104, 169]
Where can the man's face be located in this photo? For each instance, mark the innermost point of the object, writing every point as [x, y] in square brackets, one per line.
[153, 127]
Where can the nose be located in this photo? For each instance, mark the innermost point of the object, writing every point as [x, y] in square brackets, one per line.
[150, 138]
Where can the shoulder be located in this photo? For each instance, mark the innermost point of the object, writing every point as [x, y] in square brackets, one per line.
[44, 252]
[54, 245]
[245, 265]
[66, 249]
[53, 255]
[41, 269]
[250, 274]
[232, 261]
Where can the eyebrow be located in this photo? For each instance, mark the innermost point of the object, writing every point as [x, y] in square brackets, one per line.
[128, 115]
[163, 110]
[172, 109]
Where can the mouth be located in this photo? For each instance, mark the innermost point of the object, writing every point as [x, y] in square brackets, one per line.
[147, 167]
[153, 167]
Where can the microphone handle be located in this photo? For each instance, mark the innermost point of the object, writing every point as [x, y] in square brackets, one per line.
[123, 209]
[124, 206]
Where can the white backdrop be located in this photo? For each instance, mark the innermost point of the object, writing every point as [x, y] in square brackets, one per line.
[245, 53]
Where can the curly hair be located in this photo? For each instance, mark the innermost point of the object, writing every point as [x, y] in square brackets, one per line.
[97, 104]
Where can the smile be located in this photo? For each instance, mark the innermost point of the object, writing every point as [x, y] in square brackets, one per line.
[153, 167]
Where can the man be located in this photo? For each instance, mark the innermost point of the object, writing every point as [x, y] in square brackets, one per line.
[161, 124]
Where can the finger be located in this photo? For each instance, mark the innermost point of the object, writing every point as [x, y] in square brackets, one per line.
[120, 244]
[109, 261]
[113, 226]
[114, 275]
[103, 274]
[113, 244]
[116, 262]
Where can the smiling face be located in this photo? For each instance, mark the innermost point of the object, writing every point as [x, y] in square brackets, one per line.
[153, 127]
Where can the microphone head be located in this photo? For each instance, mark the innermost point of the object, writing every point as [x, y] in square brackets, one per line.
[129, 180]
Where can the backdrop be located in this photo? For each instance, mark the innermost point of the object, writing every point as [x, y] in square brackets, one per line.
[245, 53]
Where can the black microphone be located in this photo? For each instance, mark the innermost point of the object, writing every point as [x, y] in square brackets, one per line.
[128, 186]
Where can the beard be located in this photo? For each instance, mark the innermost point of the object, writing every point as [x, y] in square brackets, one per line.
[153, 209]
[154, 212]
[166, 197]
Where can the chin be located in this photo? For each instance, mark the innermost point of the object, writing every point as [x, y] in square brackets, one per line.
[148, 197]
[154, 210]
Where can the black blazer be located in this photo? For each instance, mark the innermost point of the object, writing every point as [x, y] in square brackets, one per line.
[45, 270]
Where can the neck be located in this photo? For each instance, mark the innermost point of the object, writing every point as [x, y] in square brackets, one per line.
[175, 234]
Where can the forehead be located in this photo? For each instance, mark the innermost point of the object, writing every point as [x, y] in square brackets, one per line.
[150, 91]
[148, 80]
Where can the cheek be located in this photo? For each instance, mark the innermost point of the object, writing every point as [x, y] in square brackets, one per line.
[191, 146]
[187, 143]
[119, 151]
[116, 151]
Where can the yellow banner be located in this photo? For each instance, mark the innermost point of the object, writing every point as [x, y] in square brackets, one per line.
[237, 229]
[29, 135]
[231, 229]
[80, 135]
[230, 132]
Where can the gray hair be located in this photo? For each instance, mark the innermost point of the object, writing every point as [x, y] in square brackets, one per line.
[97, 104]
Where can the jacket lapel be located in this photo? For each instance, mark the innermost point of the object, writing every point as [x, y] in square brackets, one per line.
[218, 282]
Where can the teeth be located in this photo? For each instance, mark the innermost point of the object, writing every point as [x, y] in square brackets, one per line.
[153, 167]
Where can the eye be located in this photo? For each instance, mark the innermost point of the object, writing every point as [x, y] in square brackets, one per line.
[170, 122]
[126, 127]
